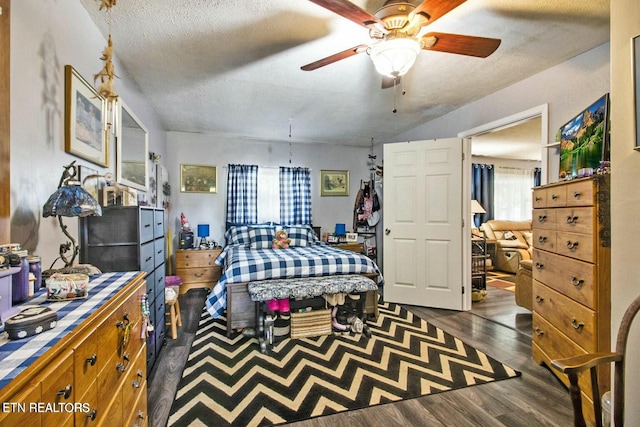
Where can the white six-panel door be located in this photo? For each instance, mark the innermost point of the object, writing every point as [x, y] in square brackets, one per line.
[423, 223]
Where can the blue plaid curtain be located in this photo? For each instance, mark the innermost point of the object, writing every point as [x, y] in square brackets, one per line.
[242, 194]
[482, 190]
[537, 177]
[295, 195]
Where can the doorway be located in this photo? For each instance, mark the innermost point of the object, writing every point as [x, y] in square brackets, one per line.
[521, 138]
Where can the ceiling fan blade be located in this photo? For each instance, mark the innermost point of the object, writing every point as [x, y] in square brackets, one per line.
[388, 82]
[434, 9]
[352, 12]
[335, 57]
[480, 47]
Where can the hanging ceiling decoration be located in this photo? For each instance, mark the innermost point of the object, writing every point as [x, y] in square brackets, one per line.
[107, 73]
[398, 34]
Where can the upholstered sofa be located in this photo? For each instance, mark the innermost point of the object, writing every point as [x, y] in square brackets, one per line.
[513, 242]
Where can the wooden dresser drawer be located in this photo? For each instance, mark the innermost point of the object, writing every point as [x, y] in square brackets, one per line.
[576, 220]
[89, 398]
[539, 198]
[139, 415]
[573, 278]
[196, 258]
[580, 193]
[544, 218]
[198, 275]
[557, 196]
[552, 344]
[576, 245]
[85, 362]
[544, 239]
[572, 319]
[135, 377]
[57, 387]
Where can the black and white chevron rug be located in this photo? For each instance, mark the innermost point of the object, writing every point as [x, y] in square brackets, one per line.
[228, 381]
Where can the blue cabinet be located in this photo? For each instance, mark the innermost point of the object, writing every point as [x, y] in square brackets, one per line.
[131, 238]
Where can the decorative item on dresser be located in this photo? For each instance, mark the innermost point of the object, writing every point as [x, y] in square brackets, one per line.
[90, 368]
[572, 275]
[131, 238]
[197, 268]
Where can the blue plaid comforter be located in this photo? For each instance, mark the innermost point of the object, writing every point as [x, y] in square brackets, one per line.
[242, 264]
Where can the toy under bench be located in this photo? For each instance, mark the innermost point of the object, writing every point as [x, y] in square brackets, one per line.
[241, 310]
[302, 291]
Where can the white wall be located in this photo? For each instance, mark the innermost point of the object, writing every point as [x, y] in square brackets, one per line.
[567, 89]
[215, 150]
[625, 192]
[45, 36]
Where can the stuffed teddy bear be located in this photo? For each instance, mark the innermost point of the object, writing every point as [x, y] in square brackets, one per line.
[281, 241]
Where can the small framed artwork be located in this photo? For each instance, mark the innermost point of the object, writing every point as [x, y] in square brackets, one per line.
[334, 183]
[198, 179]
[635, 61]
[85, 133]
[352, 237]
[90, 181]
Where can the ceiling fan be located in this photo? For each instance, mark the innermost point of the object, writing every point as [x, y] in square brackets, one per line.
[398, 33]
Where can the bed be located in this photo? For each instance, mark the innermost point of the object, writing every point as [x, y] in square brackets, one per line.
[248, 257]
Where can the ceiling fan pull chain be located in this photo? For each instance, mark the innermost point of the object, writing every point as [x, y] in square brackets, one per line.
[395, 110]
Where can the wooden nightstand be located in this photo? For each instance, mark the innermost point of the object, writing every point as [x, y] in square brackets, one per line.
[197, 268]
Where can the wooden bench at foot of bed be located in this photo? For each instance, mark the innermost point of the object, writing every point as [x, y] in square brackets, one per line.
[241, 312]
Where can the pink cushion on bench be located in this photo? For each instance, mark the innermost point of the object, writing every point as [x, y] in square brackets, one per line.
[172, 281]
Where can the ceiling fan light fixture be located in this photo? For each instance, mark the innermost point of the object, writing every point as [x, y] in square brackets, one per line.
[394, 57]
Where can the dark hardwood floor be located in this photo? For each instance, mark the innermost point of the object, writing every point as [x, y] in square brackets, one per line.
[495, 325]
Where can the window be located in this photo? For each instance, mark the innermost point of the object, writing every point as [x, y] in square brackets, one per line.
[512, 193]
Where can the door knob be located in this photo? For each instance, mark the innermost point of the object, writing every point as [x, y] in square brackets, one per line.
[387, 231]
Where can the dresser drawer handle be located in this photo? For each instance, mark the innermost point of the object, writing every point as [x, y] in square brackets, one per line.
[147, 225]
[121, 367]
[576, 282]
[92, 360]
[539, 332]
[198, 274]
[571, 245]
[542, 239]
[138, 381]
[539, 299]
[576, 194]
[92, 415]
[554, 196]
[538, 199]
[66, 392]
[140, 417]
[148, 259]
[576, 324]
[542, 218]
[539, 266]
[572, 219]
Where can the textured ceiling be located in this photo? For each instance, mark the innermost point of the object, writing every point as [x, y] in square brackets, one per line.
[233, 67]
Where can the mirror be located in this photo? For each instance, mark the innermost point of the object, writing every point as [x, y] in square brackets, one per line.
[132, 149]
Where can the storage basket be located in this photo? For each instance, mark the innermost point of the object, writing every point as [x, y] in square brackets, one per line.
[312, 323]
[67, 286]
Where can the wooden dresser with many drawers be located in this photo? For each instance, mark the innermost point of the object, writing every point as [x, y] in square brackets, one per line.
[90, 369]
[572, 274]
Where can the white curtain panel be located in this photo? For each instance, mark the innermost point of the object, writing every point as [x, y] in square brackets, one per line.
[512, 193]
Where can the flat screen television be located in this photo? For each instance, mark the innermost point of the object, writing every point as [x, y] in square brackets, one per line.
[584, 141]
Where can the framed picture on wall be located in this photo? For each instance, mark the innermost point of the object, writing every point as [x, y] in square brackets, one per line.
[85, 133]
[635, 61]
[334, 183]
[198, 179]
